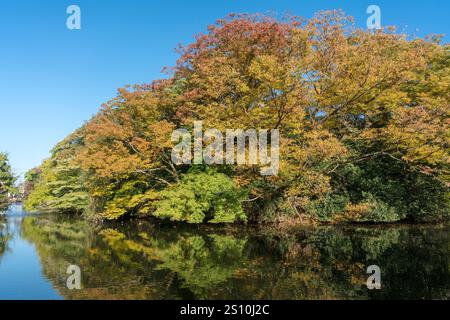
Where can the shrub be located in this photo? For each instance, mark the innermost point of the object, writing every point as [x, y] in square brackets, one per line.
[327, 208]
[201, 196]
[370, 210]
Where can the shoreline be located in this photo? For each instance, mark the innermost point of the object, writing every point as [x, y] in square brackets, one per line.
[278, 227]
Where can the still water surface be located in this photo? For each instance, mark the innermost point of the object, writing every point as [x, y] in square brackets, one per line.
[138, 260]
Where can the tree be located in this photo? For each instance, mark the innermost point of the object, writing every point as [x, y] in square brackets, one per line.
[199, 197]
[363, 119]
[57, 185]
[7, 181]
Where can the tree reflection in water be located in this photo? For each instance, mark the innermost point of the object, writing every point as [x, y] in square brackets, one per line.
[5, 236]
[142, 261]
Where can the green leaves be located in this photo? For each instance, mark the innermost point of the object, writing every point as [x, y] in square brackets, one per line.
[201, 196]
[7, 180]
[58, 185]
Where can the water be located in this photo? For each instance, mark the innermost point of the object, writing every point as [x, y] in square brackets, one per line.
[137, 260]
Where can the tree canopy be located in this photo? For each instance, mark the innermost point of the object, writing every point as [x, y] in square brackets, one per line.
[363, 119]
[7, 180]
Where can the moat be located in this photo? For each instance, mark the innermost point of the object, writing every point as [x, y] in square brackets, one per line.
[137, 260]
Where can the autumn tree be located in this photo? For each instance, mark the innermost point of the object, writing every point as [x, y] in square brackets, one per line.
[341, 96]
[363, 120]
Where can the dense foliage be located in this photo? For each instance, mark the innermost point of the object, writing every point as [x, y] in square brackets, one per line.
[7, 181]
[363, 119]
[57, 186]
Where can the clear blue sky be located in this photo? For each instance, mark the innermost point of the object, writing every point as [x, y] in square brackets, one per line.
[53, 79]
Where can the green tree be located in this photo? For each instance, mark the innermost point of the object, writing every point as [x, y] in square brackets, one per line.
[7, 181]
[57, 185]
[201, 196]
